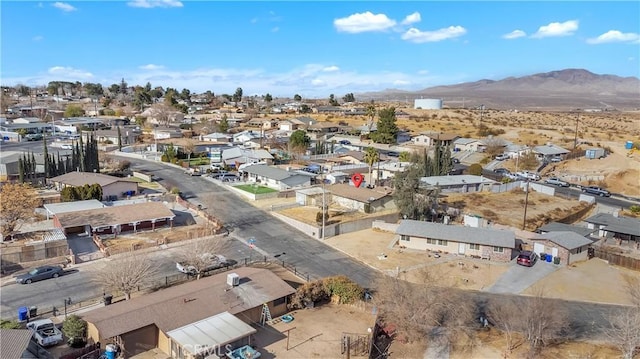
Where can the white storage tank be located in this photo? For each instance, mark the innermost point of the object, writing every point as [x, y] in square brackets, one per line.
[428, 104]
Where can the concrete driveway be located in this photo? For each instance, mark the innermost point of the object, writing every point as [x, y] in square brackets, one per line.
[84, 248]
[518, 278]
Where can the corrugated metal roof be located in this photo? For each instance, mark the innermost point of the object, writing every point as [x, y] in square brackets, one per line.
[562, 227]
[566, 239]
[484, 236]
[213, 332]
[64, 207]
[111, 216]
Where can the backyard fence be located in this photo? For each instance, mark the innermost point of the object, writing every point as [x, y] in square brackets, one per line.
[617, 259]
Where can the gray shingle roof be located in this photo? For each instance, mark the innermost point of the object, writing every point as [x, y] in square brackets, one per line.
[274, 173]
[549, 150]
[560, 227]
[14, 342]
[568, 240]
[484, 236]
[624, 225]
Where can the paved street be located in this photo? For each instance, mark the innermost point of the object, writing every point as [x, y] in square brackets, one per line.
[77, 284]
[518, 278]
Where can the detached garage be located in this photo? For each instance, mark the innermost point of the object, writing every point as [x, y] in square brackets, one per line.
[569, 246]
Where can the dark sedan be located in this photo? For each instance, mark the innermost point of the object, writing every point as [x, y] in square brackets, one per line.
[40, 273]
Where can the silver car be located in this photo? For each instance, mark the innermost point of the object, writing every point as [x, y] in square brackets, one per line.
[556, 182]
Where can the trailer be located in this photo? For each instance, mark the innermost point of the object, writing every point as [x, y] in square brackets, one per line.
[595, 152]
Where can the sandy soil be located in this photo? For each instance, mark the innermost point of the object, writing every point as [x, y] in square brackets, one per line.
[315, 333]
[592, 280]
[307, 214]
[460, 273]
[507, 208]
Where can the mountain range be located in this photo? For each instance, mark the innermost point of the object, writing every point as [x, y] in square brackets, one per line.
[562, 90]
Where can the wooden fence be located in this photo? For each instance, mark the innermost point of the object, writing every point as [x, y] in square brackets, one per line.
[617, 259]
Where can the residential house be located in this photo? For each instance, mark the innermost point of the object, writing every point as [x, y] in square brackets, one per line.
[128, 136]
[235, 156]
[487, 243]
[246, 136]
[217, 137]
[303, 121]
[458, 183]
[569, 246]
[276, 178]
[515, 151]
[165, 133]
[77, 206]
[549, 151]
[467, 145]
[323, 128]
[26, 120]
[115, 219]
[615, 226]
[403, 136]
[388, 169]
[112, 187]
[288, 125]
[362, 199]
[431, 138]
[159, 116]
[328, 109]
[562, 227]
[207, 313]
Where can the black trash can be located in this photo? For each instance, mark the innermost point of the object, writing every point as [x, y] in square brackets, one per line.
[107, 299]
[33, 312]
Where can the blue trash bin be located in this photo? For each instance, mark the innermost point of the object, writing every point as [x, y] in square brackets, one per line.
[110, 351]
[549, 258]
[23, 314]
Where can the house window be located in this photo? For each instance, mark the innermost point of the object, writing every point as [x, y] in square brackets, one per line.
[579, 250]
[441, 242]
[475, 247]
[498, 249]
[438, 242]
[279, 301]
[404, 238]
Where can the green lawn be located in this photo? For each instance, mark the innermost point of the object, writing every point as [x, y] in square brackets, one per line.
[257, 189]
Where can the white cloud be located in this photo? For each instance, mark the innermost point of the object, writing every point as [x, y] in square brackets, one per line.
[275, 29]
[331, 68]
[364, 22]
[556, 29]
[423, 72]
[151, 67]
[148, 4]
[514, 34]
[412, 19]
[69, 73]
[615, 36]
[38, 38]
[417, 36]
[64, 6]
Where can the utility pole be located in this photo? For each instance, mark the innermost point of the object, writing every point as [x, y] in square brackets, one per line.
[575, 141]
[323, 203]
[481, 113]
[526, 203]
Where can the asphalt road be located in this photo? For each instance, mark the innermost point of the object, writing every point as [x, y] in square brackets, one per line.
[78, 284]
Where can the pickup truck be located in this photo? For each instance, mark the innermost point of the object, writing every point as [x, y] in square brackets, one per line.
[597, 191]
[528, 175]
[45, 332]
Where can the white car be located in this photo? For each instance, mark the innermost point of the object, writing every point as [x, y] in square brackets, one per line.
[206, 263]
[502, 157]
[67, 147]
[529, 175]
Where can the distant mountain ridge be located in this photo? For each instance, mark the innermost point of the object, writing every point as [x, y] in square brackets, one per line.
[567, 89]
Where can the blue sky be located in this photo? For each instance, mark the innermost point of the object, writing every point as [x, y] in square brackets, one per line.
[311, 48]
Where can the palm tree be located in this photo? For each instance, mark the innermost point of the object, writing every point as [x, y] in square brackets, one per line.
[371, 156]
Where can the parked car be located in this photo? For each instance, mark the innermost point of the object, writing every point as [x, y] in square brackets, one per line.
[501, 171]
[344, 142]
[556, 159]
[529, 175]
[599, 191]
[207, 261]
[45, 332]
[527, 258]
[393, 154]
[40, 273]
[556, 182]
[34, 137]
[67, 147]
[502, 157]
[229, 178]
[455, 161]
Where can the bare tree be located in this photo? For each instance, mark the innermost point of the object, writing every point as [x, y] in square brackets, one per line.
[505, 314]
[494, 146]
[202, 254]
[632, 287]
[126, 274]
[189, 148]
[544, 320]
[418, 309]
[17, 205]
[624, 331]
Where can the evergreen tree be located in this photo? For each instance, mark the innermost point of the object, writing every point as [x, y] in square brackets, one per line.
[119, 139]
[33, 167]
[387, 129]
[20, 170]
[81, 153]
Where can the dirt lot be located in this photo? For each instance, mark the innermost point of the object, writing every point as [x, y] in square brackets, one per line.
[592, 280]
[471, 274]
[507, 208]
[314, 333]
[307, 214]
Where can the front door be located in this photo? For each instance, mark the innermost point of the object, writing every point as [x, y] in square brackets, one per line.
[461, 248]
[538, 248]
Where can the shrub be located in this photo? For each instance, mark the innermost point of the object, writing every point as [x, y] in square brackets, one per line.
[343, 287]
[9, 324]
[475, 169]
[319, 217]
[308, 292]
[635, 209]
[74, 327]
